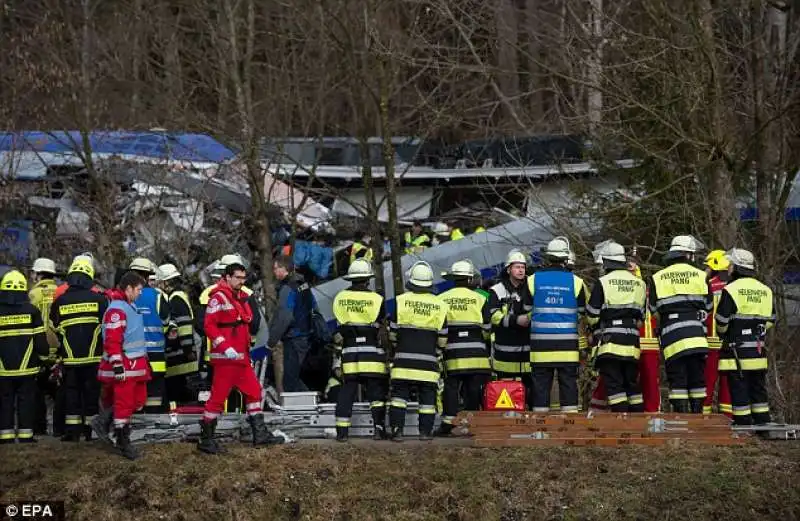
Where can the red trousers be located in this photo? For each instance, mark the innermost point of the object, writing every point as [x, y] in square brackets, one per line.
[712, 375]
[649, 381]
[224, 378]
[125, 397]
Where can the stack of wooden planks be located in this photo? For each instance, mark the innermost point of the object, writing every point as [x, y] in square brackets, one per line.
[522, 429]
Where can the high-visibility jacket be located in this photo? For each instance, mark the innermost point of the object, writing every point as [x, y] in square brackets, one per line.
[467, 332]
[456, 234]
[715, 286]
[41, 296]
[418, 330]
[558, 301]
[124, 342]
[358, 251]
[357, 340]
[179, 351]
[22, 340]
[679, 296]
[154, 309]
[648, 340]
[746, 311]
[77, 315]
[510, 352]
[416, 245]
[617, 304]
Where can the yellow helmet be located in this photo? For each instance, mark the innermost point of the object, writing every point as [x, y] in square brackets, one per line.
[717, 260]
[14, 281]
[82, 265]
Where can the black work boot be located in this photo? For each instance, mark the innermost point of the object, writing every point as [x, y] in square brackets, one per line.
[696, 405]
[207, 443]
[87, 432]
[123, 435]
[444, 430]
[101, 424]
[72, 433]
[342, 434]
[261, 434]
[379, 433]
[397, 434]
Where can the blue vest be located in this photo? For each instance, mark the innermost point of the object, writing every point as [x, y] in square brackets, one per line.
[555, 308]
[133, 344]
[147, 305]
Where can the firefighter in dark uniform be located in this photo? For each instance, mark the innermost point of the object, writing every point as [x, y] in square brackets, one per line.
[360, 358]
[680, 300]
[745, 312]
[558, 301]
[182, 358]
[22, 346]
[508, 307]
[77, 316]
[466, 357]
[417, 331]
[617, 306]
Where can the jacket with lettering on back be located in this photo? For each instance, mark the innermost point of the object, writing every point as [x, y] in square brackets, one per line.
[467, 331]
[679, 296]
[42, 295]
[418, 330]
[617, 304]
[358, 313]
[22, 338]
[715, 285]
[510, 353]
[180, 351]
[559, 299]
[227, 324]
[123, 341]
[152, 305]
[77, 315]
[746, 311]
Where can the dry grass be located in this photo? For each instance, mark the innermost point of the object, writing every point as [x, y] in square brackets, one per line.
[412, 482]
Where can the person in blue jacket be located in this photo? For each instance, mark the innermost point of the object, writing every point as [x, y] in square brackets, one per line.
[291, 323]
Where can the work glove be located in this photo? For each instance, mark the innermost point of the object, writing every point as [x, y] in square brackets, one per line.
[258, 354]
[231, 354]
[119, 373]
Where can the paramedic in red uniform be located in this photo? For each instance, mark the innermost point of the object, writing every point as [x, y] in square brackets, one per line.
[227, 326]
[124, 369]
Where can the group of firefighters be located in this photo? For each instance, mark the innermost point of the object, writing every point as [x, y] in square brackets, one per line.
[708, 325]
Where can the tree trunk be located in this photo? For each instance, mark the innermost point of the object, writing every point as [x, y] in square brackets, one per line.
[595, 67]
[372, 215]
[507, 62]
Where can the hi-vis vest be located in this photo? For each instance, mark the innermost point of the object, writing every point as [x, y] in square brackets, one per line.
[417, 244]
[356, 248]
[715, 285]
[622, 309]
[745, 313]
[419, 331]
[148, 305]
[80, 322]
[134, 344]
[466, 333]
[18, 342]
[554, 317]
[648, 341]
[42, 296]
[357, 313]
[681, 301]
[177, 361]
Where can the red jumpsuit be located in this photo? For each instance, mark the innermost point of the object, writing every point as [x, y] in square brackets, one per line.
[715, 286]
[123, 343]
[227, 325]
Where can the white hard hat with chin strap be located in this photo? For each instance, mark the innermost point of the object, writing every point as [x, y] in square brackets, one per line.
[420, 274]
[516, 257]
[558, 248]
[359, 270]
[43, 265]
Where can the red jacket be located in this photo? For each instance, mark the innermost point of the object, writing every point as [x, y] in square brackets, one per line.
[227, 324]
[64, 287]
[115, 324]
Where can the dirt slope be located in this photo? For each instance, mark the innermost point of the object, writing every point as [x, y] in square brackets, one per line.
[366, 481]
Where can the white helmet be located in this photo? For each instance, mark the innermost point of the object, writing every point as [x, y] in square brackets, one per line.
[168, 272]
[611, 251]
[142, 264]
[741, 258]
[231, 258]
[441, 228]
[558, 248]
[686, 244]
[43, 265]
[515, 257]
[462, 268]
[360, 269]
[420, 274]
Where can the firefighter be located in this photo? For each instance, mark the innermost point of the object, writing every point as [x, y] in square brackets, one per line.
[466, 357]
[717, 272]
[416, 240]
[617, 306]
[180, 351]
[23, 344]
[60, 290]
[227, 322]
[360, 359]
[124, 369]
[455, 232]
[77, 315]
[154, 308]
[41, 296]
[745, 312]
[508, 307]
[417, 332]
[680, 300]
[360, 248]
[558, 300]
